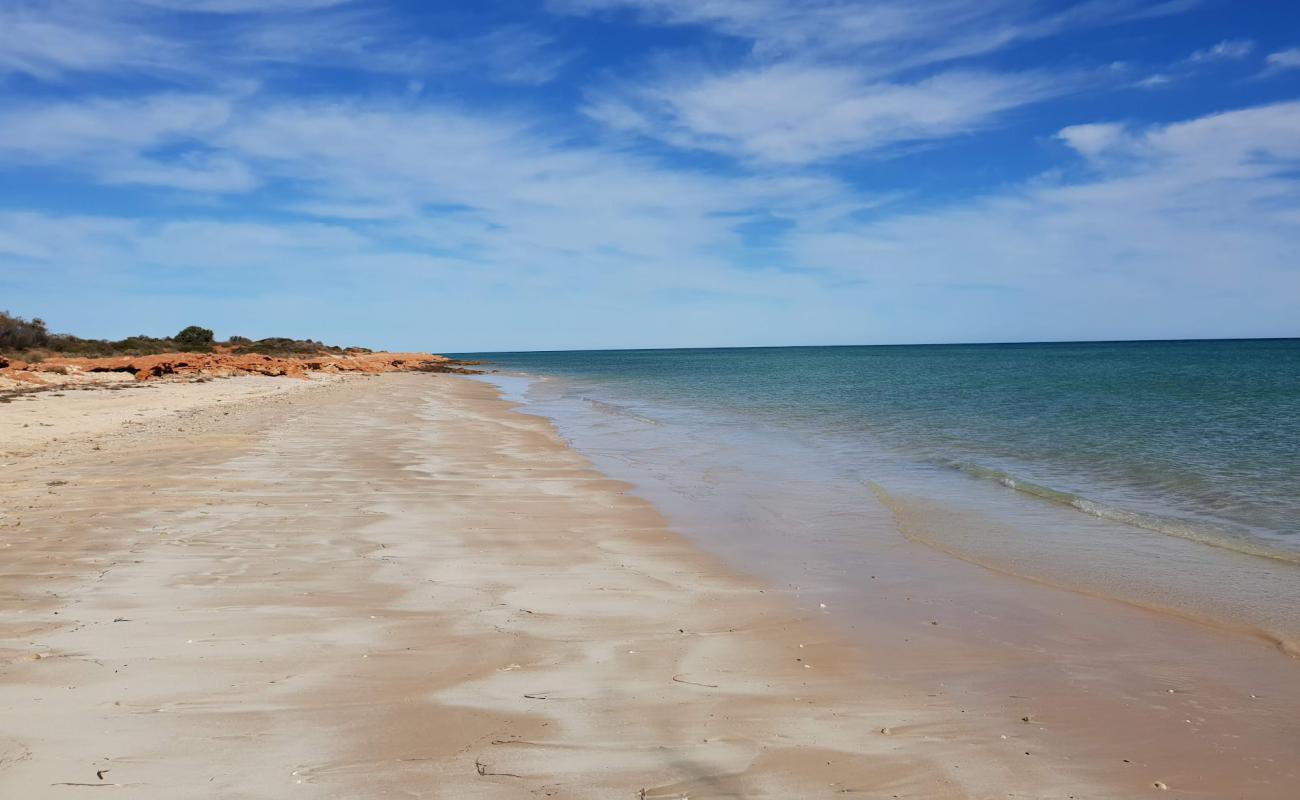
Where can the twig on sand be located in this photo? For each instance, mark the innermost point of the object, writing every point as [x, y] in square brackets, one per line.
[482, 770]
[71, 783]
[679, 679]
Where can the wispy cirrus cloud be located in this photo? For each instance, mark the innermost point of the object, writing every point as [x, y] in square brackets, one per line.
[48, 41]
[369, 41]
[1166, 223]
[243, 6]
[892, 33]
[161, 140]
[65, 132]
[798, 113]
[216, 40]
[1254, 142]
[1283, 60]
[51, 40]
[200, 173]
[475, 187]
[1196, 217]
[829, 79]
[1226, 50]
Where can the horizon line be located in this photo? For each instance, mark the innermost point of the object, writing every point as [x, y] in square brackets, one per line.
[892, 344]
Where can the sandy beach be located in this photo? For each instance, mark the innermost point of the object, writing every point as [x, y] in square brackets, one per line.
[400, 586]
[397, 587]
[649, 399]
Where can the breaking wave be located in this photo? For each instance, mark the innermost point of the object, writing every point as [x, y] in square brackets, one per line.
[1178, 528]
[615, 410]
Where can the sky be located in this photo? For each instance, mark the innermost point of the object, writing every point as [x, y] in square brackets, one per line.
[564, 174]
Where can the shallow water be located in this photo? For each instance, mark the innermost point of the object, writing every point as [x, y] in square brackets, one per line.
[1162, 474]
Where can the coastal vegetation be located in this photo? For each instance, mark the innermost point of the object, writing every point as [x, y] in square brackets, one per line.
[31, 340]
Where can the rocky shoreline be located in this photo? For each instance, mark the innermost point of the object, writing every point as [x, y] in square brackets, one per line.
[60, 372]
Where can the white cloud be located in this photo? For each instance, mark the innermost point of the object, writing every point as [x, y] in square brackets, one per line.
[211, 243]
[54, 40]
[48, 41]
[828, 79]
[473, 188]
[1226, 50]
[510, 54]
[120, 141]
[1183, 229]
[1200, 60]
[890, 33]
[797, 114]
[515, 54]
[71, 130]
[202, 173]
[1155, 81]
[1284, 59]
[1094, 139]
[242, 6]
[492, 204]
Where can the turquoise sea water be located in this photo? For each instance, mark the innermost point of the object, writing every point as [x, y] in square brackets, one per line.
[1201, 437]
[1156, 467]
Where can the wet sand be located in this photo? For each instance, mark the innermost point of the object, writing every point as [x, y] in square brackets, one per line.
[400, 587]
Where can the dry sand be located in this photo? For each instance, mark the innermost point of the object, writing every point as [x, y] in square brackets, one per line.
[398, 587]
[63, 418]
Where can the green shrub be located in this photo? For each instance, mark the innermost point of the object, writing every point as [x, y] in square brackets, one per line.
[281, 346]
[17, 334]
[194, 338]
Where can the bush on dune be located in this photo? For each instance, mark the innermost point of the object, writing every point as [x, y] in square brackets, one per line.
[195, 338]
[280, 346]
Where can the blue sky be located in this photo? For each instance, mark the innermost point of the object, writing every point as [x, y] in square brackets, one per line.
[644, 173]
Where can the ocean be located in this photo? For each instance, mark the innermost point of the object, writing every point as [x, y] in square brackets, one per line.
[1165, 474]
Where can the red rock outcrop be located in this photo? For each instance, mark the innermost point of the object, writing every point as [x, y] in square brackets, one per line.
[224, 365]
